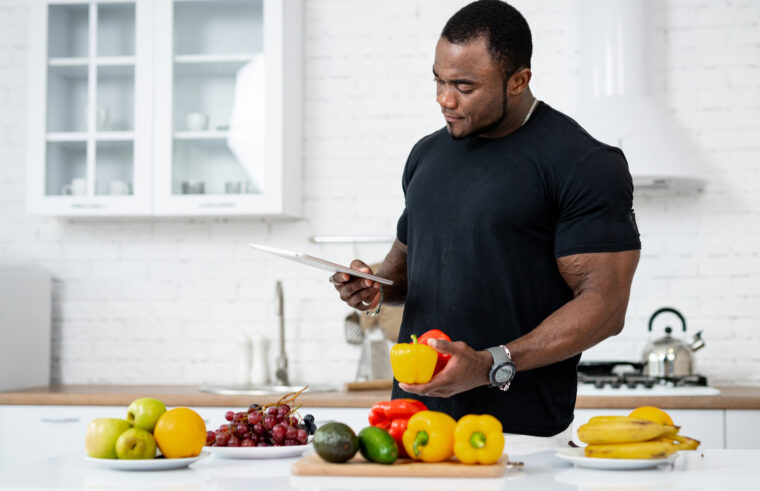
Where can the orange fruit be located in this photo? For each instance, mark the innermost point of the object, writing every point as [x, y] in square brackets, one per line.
[179, 433]
[652, 413]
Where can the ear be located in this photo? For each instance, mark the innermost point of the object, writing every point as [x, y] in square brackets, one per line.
[519, 81]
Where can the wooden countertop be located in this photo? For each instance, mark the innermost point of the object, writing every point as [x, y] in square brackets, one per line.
[178, 395]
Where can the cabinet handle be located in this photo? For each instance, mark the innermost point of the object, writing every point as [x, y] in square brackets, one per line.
[88, 206]
[59, 420]
[230, 204]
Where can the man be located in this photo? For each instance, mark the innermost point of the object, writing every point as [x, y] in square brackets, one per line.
[518, 238]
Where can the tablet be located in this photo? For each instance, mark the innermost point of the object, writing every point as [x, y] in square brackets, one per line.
[319, 263]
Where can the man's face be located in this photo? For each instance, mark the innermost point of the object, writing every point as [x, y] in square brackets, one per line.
[470, 88]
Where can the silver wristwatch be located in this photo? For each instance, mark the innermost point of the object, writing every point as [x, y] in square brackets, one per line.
[503, 370]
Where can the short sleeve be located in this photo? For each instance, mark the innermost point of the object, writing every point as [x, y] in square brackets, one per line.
[402, 226]
[596, 206]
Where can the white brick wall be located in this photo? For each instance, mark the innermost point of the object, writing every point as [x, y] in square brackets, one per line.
[165, 301]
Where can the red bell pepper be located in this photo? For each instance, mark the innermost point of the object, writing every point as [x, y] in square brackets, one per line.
[393, 416]
[442, 358]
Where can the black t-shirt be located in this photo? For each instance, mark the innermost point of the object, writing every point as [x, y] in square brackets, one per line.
[485, 221]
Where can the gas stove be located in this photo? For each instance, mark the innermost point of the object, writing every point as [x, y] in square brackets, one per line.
[596, 378]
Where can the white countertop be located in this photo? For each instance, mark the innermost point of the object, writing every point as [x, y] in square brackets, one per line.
[700, 470]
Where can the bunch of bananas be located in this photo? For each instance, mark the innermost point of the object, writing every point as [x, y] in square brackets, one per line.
[632, 437]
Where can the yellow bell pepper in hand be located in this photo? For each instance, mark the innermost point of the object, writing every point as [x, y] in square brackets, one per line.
[413, 363]
[429, 436]
[478, 439]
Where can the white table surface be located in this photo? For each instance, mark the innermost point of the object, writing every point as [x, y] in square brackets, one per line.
[700, 470]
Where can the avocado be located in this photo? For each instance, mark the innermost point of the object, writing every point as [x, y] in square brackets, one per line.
[376, 445]
[335, 442]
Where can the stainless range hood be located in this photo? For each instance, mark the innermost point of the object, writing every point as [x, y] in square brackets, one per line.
[617, 105]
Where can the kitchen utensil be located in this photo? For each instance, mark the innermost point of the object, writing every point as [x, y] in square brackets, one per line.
[78, 187]
[353, 329]
[375, 358]
[260, 360]
[193, 188]
[579, 459]
[244, 356]
[668, 356]
[118, 187]
[146, 464]
[313, 465]
[379, 384]
[231, 187]
[25, 316]
[196, 121]
[247, 453]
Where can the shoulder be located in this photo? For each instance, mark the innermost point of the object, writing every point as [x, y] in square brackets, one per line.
[570, 145]
[432, 141]
[425, 146]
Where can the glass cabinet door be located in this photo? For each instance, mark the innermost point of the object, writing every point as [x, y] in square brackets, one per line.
[91, 114]
[217, 113]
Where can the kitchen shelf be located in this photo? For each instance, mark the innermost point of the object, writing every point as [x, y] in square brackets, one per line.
[60, 62]
[201, 135]
[126, 61]
[215, 58]
[223, 67]
[67, 136]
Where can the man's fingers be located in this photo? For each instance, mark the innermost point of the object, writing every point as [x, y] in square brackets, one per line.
[441, 345]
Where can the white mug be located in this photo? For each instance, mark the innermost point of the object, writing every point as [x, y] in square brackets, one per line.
[118, 187]
[196, 121]
[78, 187]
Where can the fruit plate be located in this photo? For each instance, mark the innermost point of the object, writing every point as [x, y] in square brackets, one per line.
[579, 459]
[158, 464]
[258, 452]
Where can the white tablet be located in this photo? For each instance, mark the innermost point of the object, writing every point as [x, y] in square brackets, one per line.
[319, 263]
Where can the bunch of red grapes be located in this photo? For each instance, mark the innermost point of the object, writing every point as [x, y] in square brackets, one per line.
[276, 425]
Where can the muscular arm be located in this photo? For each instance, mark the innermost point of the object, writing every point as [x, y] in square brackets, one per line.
[601, 284]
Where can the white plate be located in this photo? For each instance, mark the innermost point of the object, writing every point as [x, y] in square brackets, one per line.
[577, 457]
[257, 452]
[146, 464]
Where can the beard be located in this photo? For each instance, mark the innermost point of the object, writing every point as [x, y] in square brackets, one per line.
[488, 127]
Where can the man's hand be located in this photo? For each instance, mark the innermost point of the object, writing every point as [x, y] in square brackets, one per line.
[359, 293]
[465, 370]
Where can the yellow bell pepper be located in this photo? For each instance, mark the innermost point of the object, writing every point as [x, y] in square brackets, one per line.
[429, 436]
[478, 439]
[413, 363]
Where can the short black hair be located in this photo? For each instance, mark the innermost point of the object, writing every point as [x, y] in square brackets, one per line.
[504, 28]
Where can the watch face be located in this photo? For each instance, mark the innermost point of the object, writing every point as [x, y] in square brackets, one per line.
[504, 374]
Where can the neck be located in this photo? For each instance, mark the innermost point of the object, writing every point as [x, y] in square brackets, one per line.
[516, 113]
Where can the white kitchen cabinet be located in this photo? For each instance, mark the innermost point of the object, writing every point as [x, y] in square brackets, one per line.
[706, 425]
[165, 108]
[32, 433]
[742, 428]
[90, 98]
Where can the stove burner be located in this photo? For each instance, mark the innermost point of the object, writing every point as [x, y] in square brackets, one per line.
[629, 374]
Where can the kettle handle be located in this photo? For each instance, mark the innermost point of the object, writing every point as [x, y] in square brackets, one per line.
[667, 309]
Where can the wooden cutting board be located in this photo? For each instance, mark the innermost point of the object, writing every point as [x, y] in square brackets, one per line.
[379, 384]
[313, 465]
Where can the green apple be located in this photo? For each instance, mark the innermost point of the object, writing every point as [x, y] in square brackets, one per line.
[144, 412]
[136, 443]
[100, 439]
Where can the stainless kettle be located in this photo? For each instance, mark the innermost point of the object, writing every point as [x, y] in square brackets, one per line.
[668, 356]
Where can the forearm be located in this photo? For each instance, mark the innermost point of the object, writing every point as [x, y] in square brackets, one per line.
[578, 325]
[394, 268]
